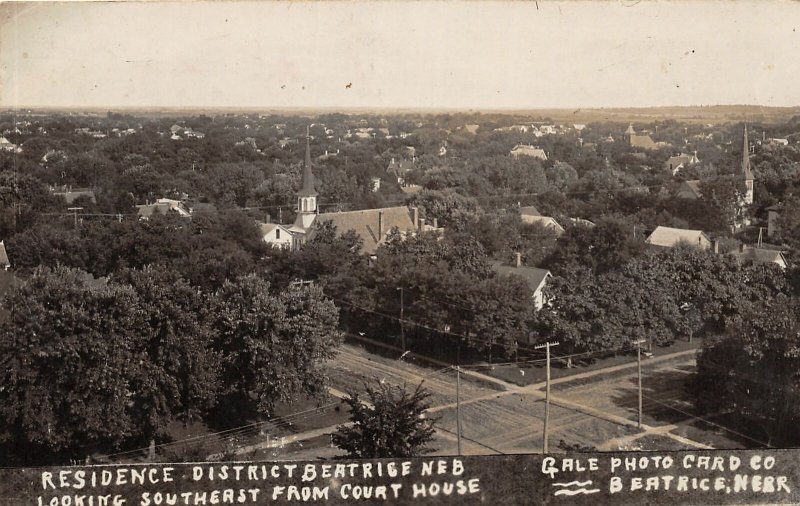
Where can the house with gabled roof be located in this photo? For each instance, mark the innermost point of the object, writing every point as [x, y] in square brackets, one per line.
[528, 150]
[276, 235]
[163, 206]
[399, 168]
[545, 221]
[690, 189]
[535, 278]
[7, 145]
[745, 254]
[669, 237]
[677, 162]
[529, 211]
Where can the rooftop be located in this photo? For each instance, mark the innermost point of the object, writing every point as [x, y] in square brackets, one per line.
[366, 224]
[667, 236]
[534, 276]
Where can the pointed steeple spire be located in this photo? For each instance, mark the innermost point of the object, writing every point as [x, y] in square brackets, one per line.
[746, 172]
[308, 176]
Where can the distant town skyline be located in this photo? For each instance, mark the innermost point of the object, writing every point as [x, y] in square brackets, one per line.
[399, 55]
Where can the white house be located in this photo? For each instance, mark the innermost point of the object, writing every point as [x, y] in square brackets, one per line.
[275, 234]
[536, 278]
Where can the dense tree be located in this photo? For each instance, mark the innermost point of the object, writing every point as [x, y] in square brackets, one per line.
[387, 422]
[272, 346]
[753, 372]
[90, 365]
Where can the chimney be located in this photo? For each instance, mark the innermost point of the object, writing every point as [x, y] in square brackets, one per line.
[421, 223]
[716, 246]
[415, 210]
[742, 247]
[519, 259]
[267, 218]
[435, 223]
[380, 226]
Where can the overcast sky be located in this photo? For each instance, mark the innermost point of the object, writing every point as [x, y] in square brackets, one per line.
[404, 54]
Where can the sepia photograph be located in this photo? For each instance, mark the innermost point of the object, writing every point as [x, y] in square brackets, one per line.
[402, 251]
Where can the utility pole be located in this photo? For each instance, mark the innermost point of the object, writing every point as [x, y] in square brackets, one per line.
[458, 408]
[402, 323]
[75, 214]
[638, 344]
[546, 346]
[458, 396]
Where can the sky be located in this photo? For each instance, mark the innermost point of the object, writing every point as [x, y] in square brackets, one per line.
[400, 54]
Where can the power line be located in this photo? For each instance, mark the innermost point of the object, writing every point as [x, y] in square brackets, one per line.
[696, 417]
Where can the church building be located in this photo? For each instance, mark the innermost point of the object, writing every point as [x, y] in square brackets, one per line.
[372, 225]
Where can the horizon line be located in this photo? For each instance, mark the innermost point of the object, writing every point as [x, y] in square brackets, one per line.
[379, 109]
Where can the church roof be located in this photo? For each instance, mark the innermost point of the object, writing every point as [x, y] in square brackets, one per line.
[365, 224]
[308, 176]
[642, 141]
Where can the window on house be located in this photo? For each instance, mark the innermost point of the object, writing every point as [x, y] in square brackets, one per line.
[277, 233]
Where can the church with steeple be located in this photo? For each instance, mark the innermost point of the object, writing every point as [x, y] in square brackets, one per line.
[746, 172]
[307, 209]
[373, 226]
[691, 189]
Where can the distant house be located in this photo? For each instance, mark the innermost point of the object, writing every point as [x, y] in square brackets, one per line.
[473, 129]
[690, 189]
[5, 264]
[372, 225]
[529, 211]
[670, 237]
[411, 189]
[676, 163]
[581, 222]
[192, 134]
[642, 141]
[528, 150]
[545, 221]
[174, 129]
[7, 145]
[779, 142]
[536, 278]
[759, 255]
[275, 234]
[375, 184]
[70, 194]
[163, 206]
[399, 169]
[578, 126]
